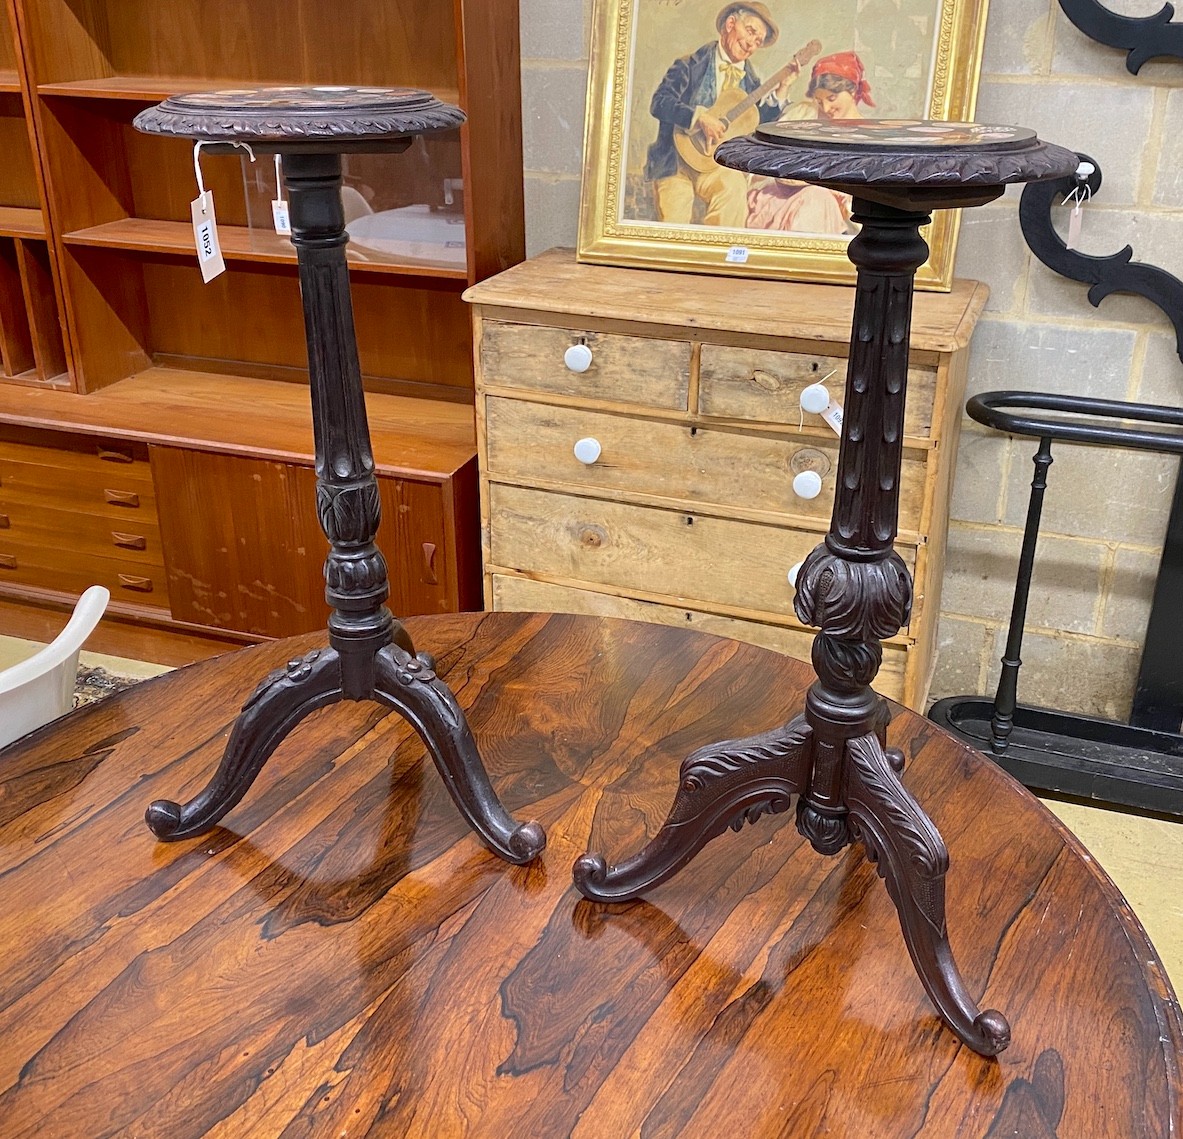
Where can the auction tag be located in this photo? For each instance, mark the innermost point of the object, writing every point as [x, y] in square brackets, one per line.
[1074, 219]
[205, 236]
[279, 214]
[737, 255]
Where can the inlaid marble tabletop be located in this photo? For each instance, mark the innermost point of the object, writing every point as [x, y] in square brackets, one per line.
[343, 957]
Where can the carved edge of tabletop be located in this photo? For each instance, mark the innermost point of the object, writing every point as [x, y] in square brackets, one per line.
[883, 166]
[174, 119]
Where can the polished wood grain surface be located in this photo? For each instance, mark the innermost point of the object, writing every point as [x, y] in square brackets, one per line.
[344, 957]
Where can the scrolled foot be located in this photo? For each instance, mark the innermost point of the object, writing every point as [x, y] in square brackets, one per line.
[527, 842]
[913, 861]
[720, 786]
[992, 1032]
[163, 818]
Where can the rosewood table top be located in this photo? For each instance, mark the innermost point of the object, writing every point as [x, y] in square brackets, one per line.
[344, 957]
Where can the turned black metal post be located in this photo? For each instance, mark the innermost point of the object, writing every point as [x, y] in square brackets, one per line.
[1002, 723]
[370, 655]
[854, 588]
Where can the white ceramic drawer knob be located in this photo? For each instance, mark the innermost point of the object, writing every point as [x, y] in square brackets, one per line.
[578, 357]
[793, 572]
[815, 399]
[587, 451]
[808, 484]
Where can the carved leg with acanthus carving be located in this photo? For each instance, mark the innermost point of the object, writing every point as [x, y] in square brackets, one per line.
[719, 787]
[279, 703]
[911, 857]
[409, 685]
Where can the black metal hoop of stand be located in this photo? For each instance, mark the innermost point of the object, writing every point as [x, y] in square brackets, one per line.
[1132, 765]
[1143, 37]
[369, 655]
[1137, 764]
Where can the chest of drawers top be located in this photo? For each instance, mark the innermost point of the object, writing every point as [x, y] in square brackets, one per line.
[720, 309]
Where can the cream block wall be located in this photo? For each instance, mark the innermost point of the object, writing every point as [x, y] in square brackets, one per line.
[1106, 511]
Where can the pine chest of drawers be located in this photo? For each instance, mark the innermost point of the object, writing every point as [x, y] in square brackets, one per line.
[640, 434]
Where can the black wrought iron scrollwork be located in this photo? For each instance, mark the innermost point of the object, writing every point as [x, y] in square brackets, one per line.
[1114, 273]
[1144, 37]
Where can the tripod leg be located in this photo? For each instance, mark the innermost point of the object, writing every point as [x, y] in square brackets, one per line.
[409, 685]
[279, 703]
[719, 786]
[911, 856]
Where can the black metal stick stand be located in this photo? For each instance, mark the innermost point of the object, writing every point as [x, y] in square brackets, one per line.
[370, 655]
[854, 587]
[1139, 764]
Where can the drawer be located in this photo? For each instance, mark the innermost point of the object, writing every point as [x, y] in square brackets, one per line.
[676, 554]
[133, 537]
[111, 490]
[746, 383]
[534, 442]
[522, 594]
[67, 571]
[655, 373]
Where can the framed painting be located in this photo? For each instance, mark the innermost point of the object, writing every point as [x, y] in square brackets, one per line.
[670, 79]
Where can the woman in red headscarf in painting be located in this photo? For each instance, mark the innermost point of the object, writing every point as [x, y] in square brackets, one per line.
[838, 87]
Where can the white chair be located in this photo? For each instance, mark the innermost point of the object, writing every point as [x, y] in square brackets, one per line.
[41, 688]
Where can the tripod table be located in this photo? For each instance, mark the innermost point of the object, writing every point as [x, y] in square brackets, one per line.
[854, 587]
[370, 655]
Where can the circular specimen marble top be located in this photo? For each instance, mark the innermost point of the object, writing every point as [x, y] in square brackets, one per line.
[949, 163]
[281, 118]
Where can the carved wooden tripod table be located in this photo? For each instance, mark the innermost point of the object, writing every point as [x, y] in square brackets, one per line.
[370, 655]
[854, 587]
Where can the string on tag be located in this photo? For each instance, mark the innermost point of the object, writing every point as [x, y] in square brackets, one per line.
[1081, 194]
[201, 191]
[205, 222]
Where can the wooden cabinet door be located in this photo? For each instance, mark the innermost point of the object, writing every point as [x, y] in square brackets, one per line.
[244, 550]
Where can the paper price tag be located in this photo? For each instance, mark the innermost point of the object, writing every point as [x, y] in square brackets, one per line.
[279, 214]
[1074, 220]
[205, 236]
[737, 255]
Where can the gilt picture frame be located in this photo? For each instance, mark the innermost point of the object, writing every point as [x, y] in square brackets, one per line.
[667, 75]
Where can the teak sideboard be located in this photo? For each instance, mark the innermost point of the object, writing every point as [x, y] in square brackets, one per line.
[155, 432]
[683, 510]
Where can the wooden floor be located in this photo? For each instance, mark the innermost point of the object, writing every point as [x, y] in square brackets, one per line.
[344, 958]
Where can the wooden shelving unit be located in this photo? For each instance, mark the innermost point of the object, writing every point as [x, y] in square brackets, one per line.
[32, 347]
[108, 209]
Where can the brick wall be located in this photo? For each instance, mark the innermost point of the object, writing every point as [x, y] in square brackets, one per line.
[1106, 510]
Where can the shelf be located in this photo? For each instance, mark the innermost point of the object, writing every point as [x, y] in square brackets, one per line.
[239, 243]
[152, 88]
[416, 438]
[19, 221]
[10, 81]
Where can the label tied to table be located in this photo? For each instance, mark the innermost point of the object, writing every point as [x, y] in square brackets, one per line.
[205, 236]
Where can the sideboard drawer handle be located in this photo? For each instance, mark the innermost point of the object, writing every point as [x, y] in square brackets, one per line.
[429, 564]
[122, 497]
[129, 541]
[8, 561]
[113, 455]
[5, 522]
[578, 357]
[139, 584]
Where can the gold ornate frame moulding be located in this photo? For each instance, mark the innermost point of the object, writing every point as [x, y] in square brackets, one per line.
[634, 42]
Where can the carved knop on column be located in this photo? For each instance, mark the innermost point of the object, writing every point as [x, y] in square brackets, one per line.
[854, 600]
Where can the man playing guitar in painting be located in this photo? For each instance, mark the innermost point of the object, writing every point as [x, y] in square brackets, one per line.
[705, 97]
